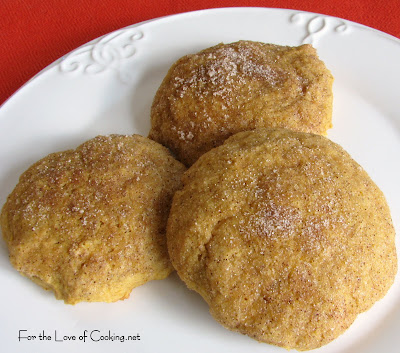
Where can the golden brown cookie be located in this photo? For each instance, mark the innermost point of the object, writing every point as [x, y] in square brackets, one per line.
[89, 223]
[208, 96]
[284, 235]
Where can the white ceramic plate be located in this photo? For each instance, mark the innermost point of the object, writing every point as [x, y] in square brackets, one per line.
[107, 86]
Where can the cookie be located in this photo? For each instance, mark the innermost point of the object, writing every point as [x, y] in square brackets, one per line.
[284, 235]
[89, 224]
[209, 96]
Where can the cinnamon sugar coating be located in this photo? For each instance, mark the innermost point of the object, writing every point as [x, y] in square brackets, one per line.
[284, 235]
[89, 223]
[208, 96]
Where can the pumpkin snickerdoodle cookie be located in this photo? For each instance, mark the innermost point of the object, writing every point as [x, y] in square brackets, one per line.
[208, 96]
[284, 235]
[89, 224]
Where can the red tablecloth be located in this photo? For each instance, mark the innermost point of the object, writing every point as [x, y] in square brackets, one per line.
[34, 33]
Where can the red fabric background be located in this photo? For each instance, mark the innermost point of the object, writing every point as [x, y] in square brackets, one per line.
[34, 33]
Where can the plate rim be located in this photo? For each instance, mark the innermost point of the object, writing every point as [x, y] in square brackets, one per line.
[200, 12]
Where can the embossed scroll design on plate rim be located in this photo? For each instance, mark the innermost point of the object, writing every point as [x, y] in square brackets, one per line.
[106, 53]
[316, 25]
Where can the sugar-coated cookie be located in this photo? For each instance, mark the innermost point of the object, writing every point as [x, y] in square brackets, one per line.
[209, 96]
[89, 224]
[284, 235]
